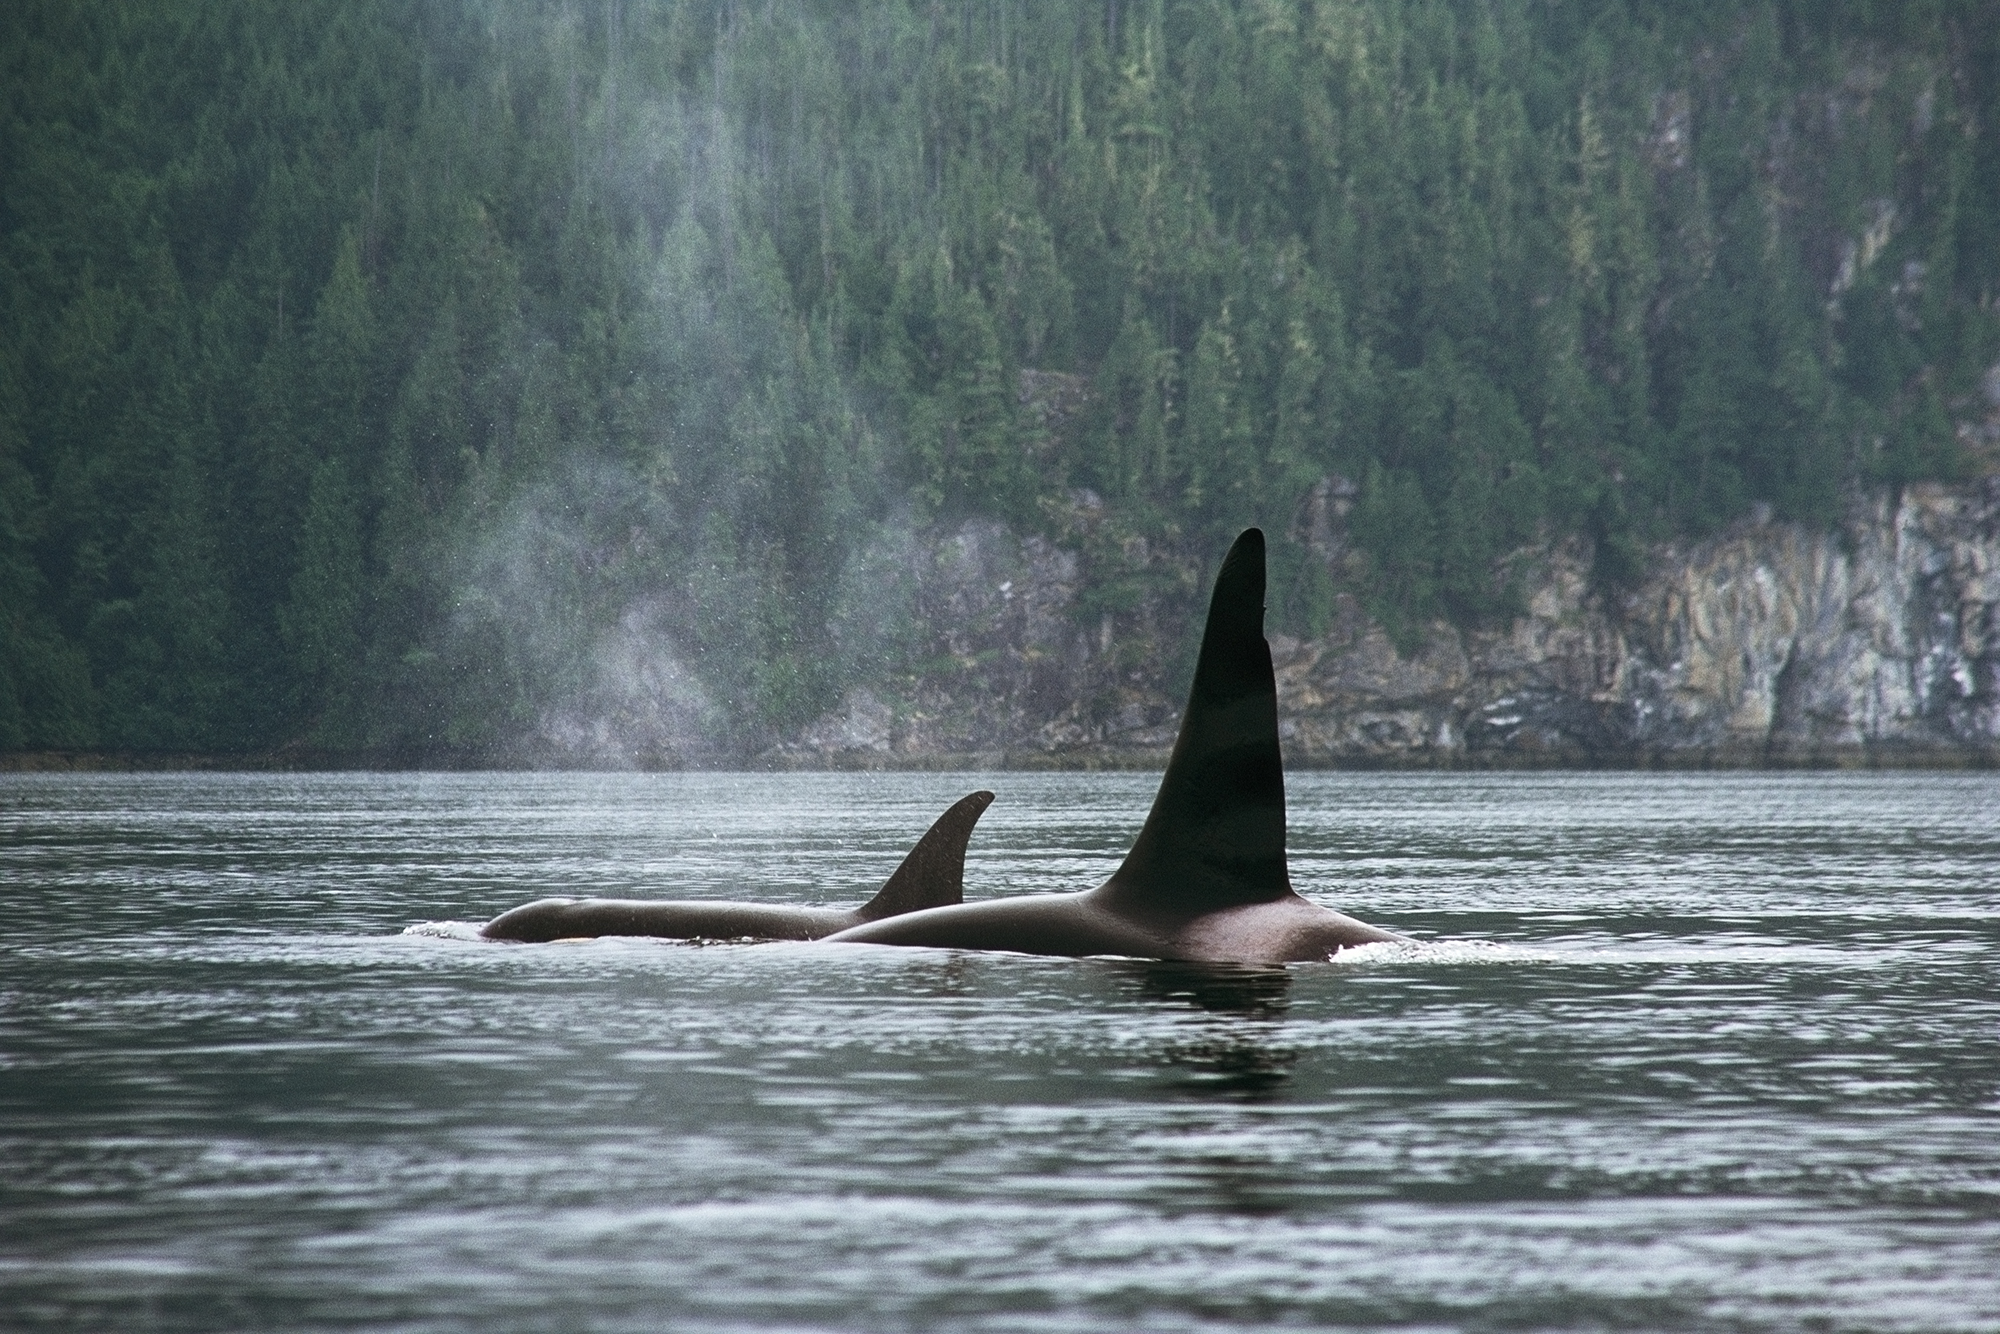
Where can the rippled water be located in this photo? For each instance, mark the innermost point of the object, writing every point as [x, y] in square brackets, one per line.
[1688, 1052]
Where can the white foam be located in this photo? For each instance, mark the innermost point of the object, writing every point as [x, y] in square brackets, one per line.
[445, 930]
[1431, 952]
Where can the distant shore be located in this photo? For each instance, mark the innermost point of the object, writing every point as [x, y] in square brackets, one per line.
[1855, 758]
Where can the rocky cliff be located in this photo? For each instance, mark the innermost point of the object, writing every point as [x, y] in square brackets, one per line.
[1875, 643]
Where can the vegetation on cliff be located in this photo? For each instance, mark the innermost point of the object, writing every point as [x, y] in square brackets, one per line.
[407, 378]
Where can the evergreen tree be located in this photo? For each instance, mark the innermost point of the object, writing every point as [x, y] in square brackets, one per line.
[363, 367]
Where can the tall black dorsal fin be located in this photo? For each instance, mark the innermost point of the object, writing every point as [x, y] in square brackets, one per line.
[933, 874]
[1216, 834]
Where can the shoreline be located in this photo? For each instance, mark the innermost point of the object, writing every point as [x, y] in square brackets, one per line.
[1688, 760]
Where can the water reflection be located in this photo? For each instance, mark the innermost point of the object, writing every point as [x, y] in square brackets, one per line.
[1237, 1067]
[1234, 1058]
[1225, 988]
[952, 974]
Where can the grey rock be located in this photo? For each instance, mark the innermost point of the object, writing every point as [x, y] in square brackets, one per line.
[1877, 642]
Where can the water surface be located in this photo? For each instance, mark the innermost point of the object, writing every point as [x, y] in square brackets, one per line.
[1679, 1052]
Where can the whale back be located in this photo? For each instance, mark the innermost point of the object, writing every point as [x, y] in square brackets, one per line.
[1215, 837]
[933, 873]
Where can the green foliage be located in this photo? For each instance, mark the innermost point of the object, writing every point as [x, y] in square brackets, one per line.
[1394, 525]
[319, 623]
[364, 366]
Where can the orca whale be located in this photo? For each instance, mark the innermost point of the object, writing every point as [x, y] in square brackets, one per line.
[1207, 880]
[932, 875]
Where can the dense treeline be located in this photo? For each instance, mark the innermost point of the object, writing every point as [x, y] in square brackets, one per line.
[393, 376]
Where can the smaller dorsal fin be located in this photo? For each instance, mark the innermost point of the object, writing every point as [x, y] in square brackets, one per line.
[933, 874]
[1215, 837]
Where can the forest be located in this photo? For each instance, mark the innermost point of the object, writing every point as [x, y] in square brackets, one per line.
[365, 363]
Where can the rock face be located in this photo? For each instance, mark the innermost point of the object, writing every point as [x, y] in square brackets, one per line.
[1885, 636]
[1013, 673]
[1769, 644]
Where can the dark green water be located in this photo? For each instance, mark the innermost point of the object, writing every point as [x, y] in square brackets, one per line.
[1691, 1053]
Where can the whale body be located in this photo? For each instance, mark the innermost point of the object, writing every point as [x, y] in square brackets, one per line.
[1207, 878]
[932, 875]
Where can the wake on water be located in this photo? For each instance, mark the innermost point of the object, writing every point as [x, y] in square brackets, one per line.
[1451, 952]
[445, 930]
